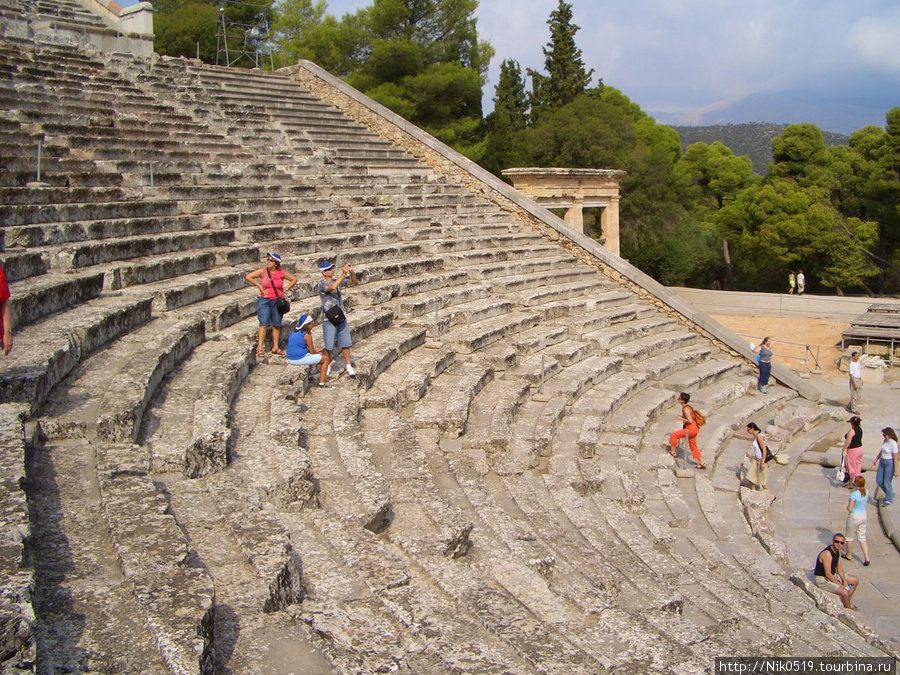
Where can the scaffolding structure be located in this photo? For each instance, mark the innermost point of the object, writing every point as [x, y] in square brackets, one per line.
[237, 41]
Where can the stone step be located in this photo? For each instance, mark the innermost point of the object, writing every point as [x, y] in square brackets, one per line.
[474, 336]
[16, 575]
[409, 289]
[625, 332]
[34, 298]
[59, 343]
[74, 256]
[454, 303]
[642, 410]
[644, 347]
[492, 412]
[167, 266]
[575, 381]
[446, 404]
[466, 259]
[381, 350]
[114, 387]
[77, 570]
[557, 589]
[409, 377]
[82, 229]
[190, 413]
[176, 596]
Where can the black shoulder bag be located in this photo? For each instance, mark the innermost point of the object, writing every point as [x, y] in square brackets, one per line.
[282, 304]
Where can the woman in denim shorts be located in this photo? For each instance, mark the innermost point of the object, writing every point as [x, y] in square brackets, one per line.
[270, 282]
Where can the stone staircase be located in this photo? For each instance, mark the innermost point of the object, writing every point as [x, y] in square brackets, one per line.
[489, 494]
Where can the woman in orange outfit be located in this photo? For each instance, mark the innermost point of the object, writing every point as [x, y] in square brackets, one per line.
[690, 429]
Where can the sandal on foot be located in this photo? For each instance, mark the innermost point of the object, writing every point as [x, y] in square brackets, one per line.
[866, 563]
[701, 466]
[260, 353]
[846, 557]
[280, 352]
[672, 452]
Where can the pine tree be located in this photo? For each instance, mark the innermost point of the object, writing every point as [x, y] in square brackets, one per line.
[510, 116]
[510, 99]
[566, 77]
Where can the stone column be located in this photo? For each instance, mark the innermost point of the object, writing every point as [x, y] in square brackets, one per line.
[609, 223]
[575, 215]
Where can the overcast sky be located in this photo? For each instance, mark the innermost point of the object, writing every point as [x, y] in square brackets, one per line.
[687, 57]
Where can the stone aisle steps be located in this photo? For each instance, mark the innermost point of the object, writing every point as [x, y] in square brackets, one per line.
[82, 601]
[553, 597]
[729, 524]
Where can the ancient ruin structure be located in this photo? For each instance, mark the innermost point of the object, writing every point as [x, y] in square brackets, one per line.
[575, 190]
[490, 493]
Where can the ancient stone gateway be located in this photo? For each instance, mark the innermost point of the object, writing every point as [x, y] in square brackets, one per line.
[575, 190]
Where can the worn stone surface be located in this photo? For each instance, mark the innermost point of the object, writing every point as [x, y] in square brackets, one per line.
[490, 493]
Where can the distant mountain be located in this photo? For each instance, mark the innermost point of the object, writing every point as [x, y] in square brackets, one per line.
[826, 111]
[752, 140]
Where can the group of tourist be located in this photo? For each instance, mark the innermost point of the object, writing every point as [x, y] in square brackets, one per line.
[829, 572]
[273, 283]
[796, 282]
[885, 462]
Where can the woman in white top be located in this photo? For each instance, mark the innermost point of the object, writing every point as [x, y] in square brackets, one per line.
[887, 460]
[759, 471]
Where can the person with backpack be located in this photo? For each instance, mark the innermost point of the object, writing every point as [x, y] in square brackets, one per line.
[335, 327]
[692, 421]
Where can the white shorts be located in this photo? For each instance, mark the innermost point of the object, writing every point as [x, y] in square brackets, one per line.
[856, 523]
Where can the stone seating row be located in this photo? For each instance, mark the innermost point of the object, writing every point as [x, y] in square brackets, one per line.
[16, 576]
[511, 603]
[183, 289]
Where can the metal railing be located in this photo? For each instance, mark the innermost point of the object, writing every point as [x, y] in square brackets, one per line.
[808, 353]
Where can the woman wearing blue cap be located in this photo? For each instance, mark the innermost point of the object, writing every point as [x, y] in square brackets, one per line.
[300, 349]
[335, 324]
[270, 282]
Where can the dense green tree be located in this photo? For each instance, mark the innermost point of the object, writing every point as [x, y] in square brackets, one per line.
[781, 225]
[181, 26]
[566, 77]
[421, 58]
[294, 23]
[710, 175]
[510, 116]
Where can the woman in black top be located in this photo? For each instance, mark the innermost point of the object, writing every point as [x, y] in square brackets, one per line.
[852, 451]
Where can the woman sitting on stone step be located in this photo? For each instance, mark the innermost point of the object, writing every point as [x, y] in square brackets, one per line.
[270, 282]
[690, 429]
[300, 349]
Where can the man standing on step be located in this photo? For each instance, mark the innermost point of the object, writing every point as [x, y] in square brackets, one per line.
[830, 575]
[855, 382]
[334, 322]
[5, 314]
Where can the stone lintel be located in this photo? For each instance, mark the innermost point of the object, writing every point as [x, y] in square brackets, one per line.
[575, 190]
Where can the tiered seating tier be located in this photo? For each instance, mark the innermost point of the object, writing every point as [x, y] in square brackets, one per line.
[489, 494]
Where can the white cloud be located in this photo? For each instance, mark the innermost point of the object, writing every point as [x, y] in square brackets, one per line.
[877, 41]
